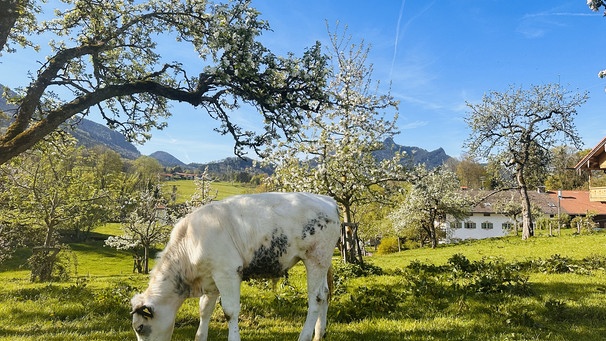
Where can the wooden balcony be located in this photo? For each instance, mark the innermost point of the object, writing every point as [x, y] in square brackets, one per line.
[597, 194]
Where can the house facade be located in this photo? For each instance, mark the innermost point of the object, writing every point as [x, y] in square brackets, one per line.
[487, 218]
[595, 160]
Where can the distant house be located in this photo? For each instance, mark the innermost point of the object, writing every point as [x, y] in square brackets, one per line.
[579, 203]
[594, 160]
[487, 219]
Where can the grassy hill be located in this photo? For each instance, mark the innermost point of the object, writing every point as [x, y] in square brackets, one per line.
[546, 288]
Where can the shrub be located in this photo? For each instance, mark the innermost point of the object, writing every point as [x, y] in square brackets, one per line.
[557, 264]
[388, 245]
[353, 270]
[366, 302]
[344, 271]
[463, 277]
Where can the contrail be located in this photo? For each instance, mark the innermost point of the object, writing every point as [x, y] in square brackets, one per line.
[395, 47]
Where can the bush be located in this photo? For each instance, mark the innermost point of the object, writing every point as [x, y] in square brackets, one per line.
[463, 277]
[388, 245]
[557, 264]
[344, 271]
[366, 302]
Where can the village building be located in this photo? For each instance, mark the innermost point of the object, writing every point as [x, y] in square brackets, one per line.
[579, 204]
[595, 160]
[487, 219]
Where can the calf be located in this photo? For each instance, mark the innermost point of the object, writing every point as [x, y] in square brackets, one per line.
[214, 248]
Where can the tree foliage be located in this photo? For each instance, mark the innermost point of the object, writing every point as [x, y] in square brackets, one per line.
[521, 125]
[434, 194]
[50, 192]
[203, 192]
[147, 225]
[561, 176]
[334, 153]
[106, 56]
[471, 173]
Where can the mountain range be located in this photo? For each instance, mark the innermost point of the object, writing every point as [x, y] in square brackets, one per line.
[89, 133]
[413, 155]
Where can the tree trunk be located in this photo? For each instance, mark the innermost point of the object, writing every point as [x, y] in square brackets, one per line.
[42, 263]
[351, 250]
[146, 259]
[433, 235]
[527, 229]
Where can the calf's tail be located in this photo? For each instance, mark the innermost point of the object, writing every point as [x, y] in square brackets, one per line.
[331, 282]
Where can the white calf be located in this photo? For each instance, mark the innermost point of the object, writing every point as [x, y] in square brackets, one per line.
[217, 246]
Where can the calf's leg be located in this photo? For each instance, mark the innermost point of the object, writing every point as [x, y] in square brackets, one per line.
[229, 289]
[207, 305]
[317, 295]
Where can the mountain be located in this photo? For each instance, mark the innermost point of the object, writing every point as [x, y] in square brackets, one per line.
[87, 132]
[232, 164]
[166, 159]
[414, 155]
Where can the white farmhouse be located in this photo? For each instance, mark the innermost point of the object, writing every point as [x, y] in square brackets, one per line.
[488, 219]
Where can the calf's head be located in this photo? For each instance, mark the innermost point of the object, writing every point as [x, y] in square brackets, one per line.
[151, 322]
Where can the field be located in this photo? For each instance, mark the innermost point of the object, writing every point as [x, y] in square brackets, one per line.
[546, 288]
[185, 188]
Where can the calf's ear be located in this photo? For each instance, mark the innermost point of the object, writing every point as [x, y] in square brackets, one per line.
[144, 311]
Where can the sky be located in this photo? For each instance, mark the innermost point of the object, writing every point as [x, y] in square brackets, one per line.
[437, 56]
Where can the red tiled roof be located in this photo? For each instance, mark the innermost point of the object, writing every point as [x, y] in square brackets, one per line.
[572, 202]
[577, 202]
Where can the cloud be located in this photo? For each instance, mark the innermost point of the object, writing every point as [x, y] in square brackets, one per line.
[413, 125]
[402, 30]
[537, 25]
[425, 104]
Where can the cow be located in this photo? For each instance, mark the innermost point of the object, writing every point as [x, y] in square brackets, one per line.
[213, 249]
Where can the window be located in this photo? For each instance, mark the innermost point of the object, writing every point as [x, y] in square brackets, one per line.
[470, 225]
[487, 225]
[487, 214]
[456, 224]
[507, 226]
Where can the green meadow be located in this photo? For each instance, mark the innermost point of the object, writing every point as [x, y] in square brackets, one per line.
[185, 189]
[545, 288]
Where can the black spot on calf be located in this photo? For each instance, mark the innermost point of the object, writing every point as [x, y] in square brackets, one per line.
[182, 288]
[313, 225]
[266, 260]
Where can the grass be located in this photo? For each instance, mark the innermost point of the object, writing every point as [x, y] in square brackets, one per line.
[185, 189]
[510, 248]
[93, 305]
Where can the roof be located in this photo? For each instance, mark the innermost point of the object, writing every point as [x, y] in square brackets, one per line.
[592, 160]
[577, 203]
[493, 201]
[571, 202]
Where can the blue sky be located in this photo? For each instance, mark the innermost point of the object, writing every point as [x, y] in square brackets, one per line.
[438, 55]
